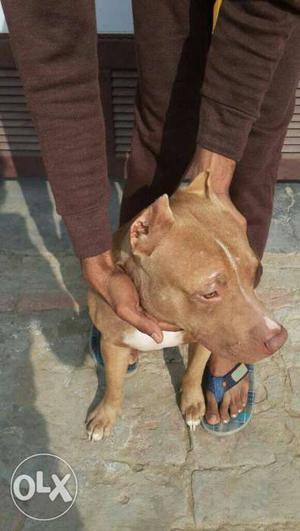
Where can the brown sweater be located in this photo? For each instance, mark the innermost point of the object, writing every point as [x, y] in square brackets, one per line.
[56, 51]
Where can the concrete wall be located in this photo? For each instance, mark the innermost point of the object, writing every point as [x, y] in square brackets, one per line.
[113, 16]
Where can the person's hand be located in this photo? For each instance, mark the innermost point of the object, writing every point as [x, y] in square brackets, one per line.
[221, 170]
[226, 200]
[118, 290]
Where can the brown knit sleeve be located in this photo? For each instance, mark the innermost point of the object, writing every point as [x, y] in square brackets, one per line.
[247, 44]
[55, 47]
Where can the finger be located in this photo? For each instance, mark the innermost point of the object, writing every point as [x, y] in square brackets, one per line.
[141, 322]
[168, 326]
[163, 325]
[141, 311]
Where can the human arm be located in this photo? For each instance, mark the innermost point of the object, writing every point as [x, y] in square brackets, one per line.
[55, 47]
[248, 42]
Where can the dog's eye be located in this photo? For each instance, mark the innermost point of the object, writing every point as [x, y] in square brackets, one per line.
[211, 295]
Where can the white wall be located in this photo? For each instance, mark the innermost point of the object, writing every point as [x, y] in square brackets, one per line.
[3, 26]
[113, 16]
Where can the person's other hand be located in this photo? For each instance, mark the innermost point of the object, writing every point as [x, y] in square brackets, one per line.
[117, 288]
[221, 171]
[226, 200]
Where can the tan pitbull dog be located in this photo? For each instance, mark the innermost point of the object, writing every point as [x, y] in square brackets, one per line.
[192, 265]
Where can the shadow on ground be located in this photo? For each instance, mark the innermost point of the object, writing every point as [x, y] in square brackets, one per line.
[24, 429]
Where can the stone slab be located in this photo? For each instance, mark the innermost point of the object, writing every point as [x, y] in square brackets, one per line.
[261, 496]
[285, 227]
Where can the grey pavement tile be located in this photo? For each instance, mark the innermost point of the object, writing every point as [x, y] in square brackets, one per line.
[285, 227]
[267, 495]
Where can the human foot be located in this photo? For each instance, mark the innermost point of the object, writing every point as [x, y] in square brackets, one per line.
[235, 398]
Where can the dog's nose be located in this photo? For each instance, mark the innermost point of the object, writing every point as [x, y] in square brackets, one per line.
[277, 339]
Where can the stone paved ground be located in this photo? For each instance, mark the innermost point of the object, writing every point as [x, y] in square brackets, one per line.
[152, 474]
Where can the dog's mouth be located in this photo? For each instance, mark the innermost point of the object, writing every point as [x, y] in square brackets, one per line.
[276, 342]
[237, 353]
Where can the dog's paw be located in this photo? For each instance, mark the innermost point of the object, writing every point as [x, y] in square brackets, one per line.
[192, 406]
[100, 422]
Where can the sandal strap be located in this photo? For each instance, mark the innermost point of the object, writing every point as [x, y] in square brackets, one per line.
[218, 385]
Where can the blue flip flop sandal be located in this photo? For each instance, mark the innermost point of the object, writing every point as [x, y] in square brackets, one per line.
[95, 352]
[218, 385]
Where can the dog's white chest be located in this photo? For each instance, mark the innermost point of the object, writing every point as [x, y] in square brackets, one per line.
[143, 342]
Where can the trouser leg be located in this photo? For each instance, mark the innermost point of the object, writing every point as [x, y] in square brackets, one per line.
[172, 40]
[172, 43]
[252, 188]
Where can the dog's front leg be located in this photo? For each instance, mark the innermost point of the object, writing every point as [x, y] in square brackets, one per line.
[101, 420]
[192, 400]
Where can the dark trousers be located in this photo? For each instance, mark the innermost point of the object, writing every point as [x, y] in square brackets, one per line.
[172, 42]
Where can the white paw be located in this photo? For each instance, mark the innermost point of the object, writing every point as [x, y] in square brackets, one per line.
[100, 422]
[193, 423]
[95, 435]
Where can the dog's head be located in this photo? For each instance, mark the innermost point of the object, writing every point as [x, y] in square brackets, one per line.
[197, 270]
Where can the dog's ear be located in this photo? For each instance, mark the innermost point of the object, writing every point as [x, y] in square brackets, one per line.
[200, 185]
[151, 226]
